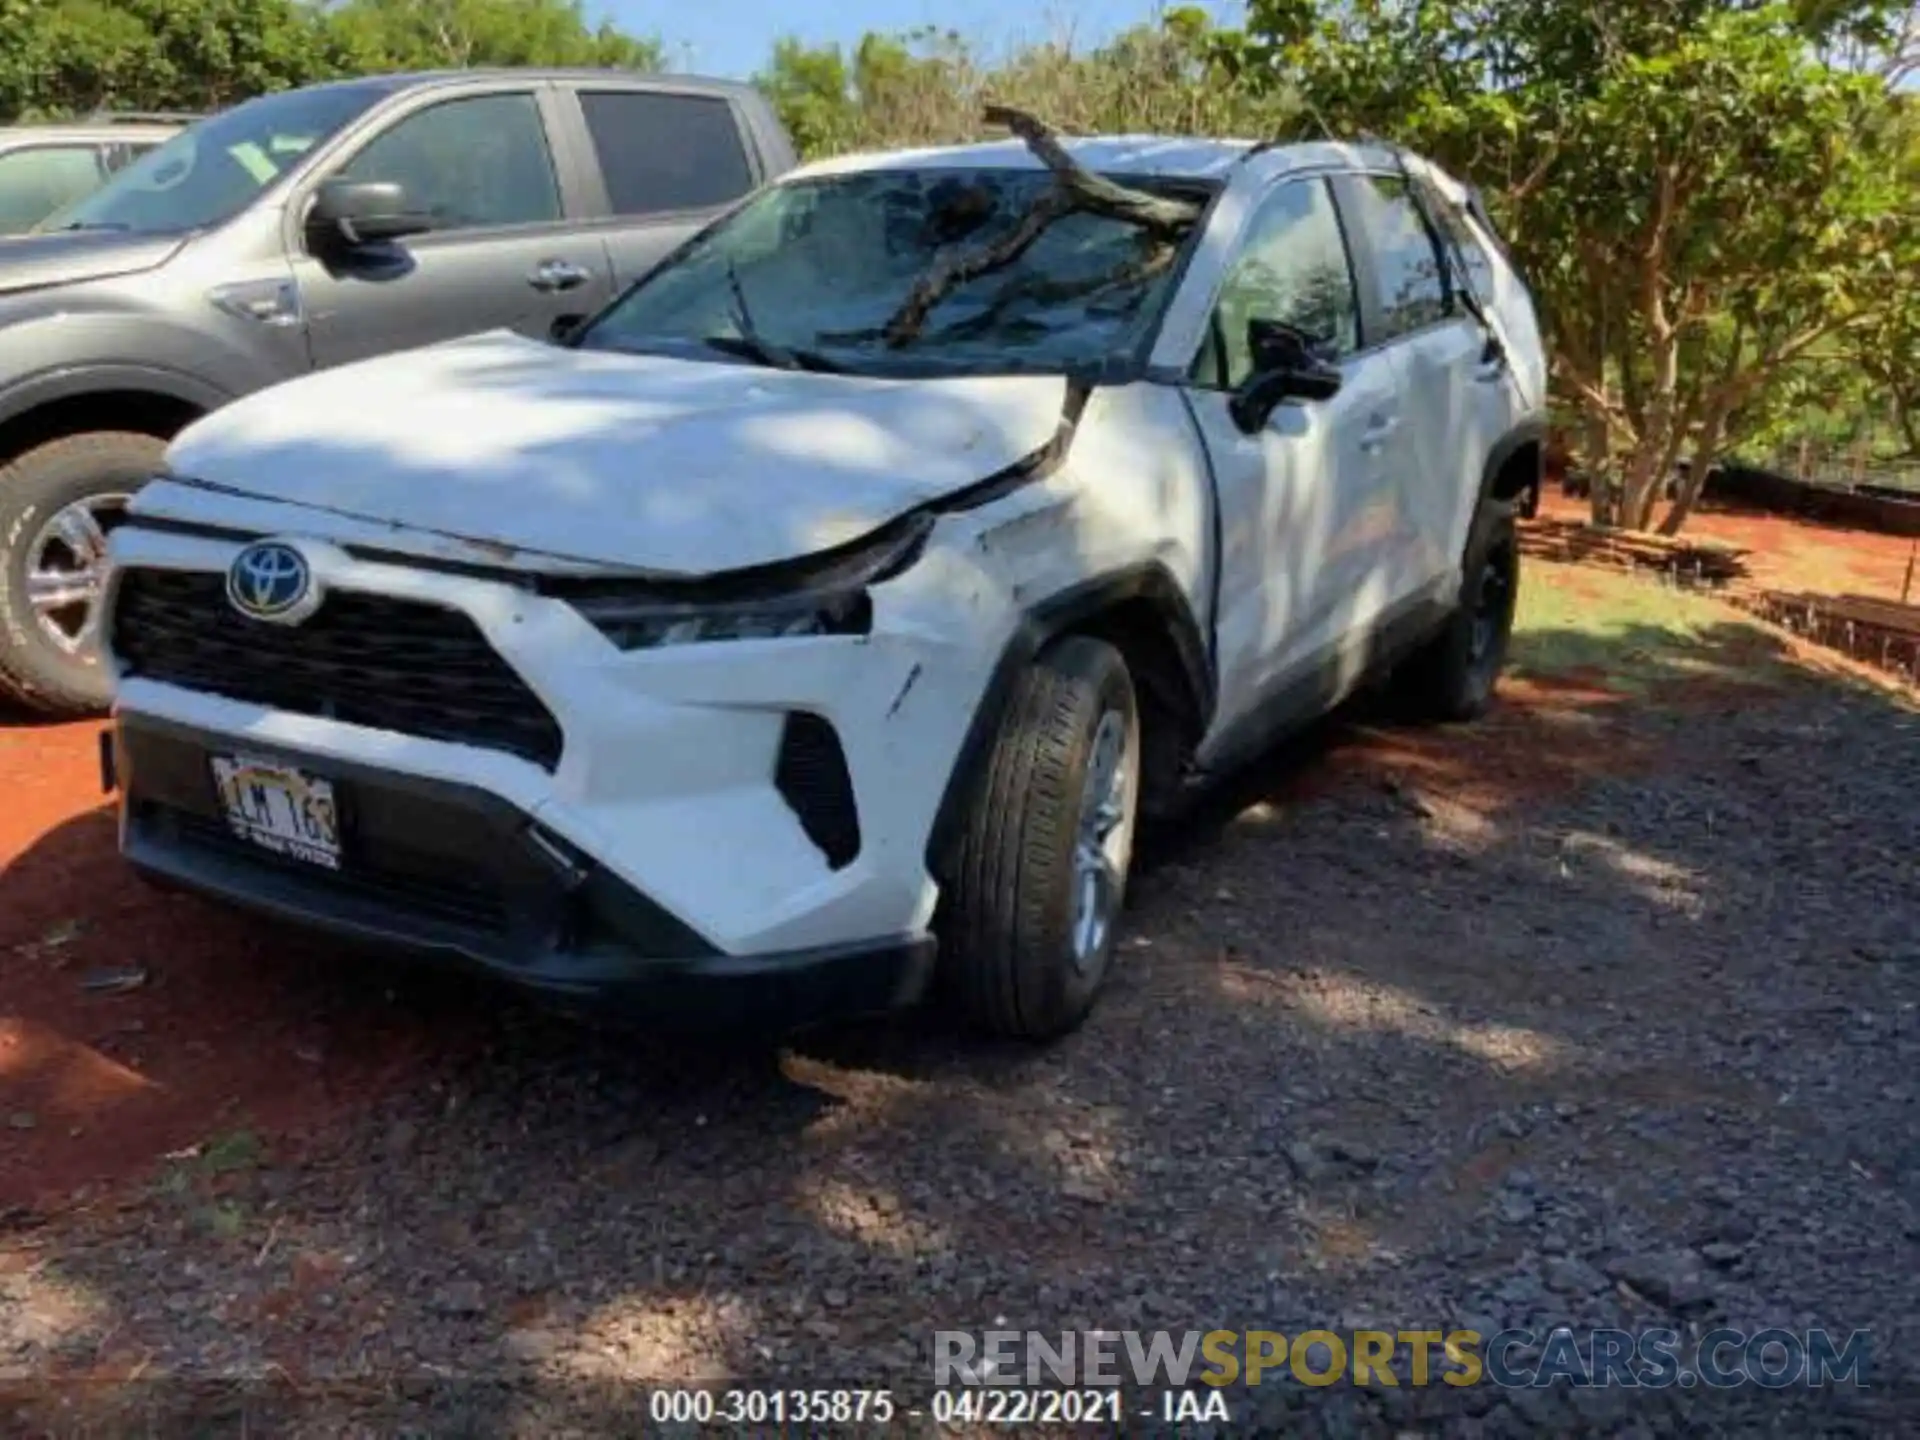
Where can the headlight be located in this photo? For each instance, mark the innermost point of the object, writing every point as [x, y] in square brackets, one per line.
[640, 626]
[821, 595]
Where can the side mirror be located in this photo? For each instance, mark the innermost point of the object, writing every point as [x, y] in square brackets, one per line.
[353, 213]
[1285, 367]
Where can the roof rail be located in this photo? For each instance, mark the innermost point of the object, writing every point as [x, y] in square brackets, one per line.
[143, 117]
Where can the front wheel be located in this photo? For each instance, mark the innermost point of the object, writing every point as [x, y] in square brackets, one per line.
[1038, 877]
[57, 503]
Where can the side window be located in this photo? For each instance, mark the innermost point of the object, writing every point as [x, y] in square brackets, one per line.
[661, 152]
[472, 163]
[1465, 243]
[38, 181]
[1292, 268]
[1406, 256]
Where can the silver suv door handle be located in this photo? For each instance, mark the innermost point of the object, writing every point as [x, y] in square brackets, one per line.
[1492, 364]
[1379, 427]
[553, 275]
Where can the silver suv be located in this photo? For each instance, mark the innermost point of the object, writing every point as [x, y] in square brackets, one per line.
[44, 168]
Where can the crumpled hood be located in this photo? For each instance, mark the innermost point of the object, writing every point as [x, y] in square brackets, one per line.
[32, 262]
[656, 464]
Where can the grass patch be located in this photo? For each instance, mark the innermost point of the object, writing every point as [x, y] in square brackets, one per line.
[1630, 634]
[237, 1150]
[223, 1155]
[226, 1220]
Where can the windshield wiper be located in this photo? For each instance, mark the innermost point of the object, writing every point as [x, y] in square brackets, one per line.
[751, 342]
[93, 225]
[779, 356]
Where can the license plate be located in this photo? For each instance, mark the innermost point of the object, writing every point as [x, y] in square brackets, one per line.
[279, 808]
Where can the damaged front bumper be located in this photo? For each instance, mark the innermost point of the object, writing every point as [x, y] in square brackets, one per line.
[449, 873]
[668, 844]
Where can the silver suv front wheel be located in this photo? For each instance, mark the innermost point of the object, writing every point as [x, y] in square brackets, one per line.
[57, 504]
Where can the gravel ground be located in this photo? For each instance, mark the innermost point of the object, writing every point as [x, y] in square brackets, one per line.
[1640, 1055]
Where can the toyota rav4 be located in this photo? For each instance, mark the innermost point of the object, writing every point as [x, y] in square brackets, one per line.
[862, 575]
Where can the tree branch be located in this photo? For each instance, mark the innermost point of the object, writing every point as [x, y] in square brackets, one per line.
[1075, 188]
[953, 267]
[1056, 292]
[1598, 403]
[1161, 214]
[1653, 268]
[1517, 194]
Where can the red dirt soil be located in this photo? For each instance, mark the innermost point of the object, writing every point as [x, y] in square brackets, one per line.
[1545, 738]
[227, 1034]
[1788, 554]
[98, 1087]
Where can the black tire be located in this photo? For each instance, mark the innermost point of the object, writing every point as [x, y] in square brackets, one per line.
[1008, 953]
[33, 488]
[1451, 677]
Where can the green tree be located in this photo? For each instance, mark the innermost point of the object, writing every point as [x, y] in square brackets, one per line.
[1700, 197]
[930, 86]
[1886, 349]
[65, 56]
[812, 89]
[381, 35]
[62, 56]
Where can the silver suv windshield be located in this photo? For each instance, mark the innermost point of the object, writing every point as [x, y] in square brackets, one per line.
[819, 273]
[211, 171]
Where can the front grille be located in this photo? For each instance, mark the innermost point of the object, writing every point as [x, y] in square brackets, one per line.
[812, 778]
[466, 903]
[375, 660]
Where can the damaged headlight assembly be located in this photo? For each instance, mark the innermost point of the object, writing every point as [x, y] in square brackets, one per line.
[822, 594]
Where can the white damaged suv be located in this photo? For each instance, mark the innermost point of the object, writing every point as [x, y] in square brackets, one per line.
[859, 577]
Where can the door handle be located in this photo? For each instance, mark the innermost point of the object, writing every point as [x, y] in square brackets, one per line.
[1377, 431]
[556, 275]
[1493, 360]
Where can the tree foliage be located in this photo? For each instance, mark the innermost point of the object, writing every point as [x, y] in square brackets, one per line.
[1885, 349]
[1701, 195]
[423, 34]
[62, 57]
[931, 87]
[1716, 201]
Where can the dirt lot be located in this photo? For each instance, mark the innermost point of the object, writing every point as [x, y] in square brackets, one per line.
[1602, 1012]
[1786, 554]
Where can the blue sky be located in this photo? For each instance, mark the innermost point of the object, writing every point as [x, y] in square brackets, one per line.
[732, 37]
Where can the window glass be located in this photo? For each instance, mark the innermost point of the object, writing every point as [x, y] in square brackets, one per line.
[1406, 257]
[660, 151]
[1293, 269]
[37, 181]
[468, 164]
[1472, 252]
[830, 264]
[212, 170]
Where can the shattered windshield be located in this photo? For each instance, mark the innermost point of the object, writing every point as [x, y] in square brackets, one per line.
[949, 271]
